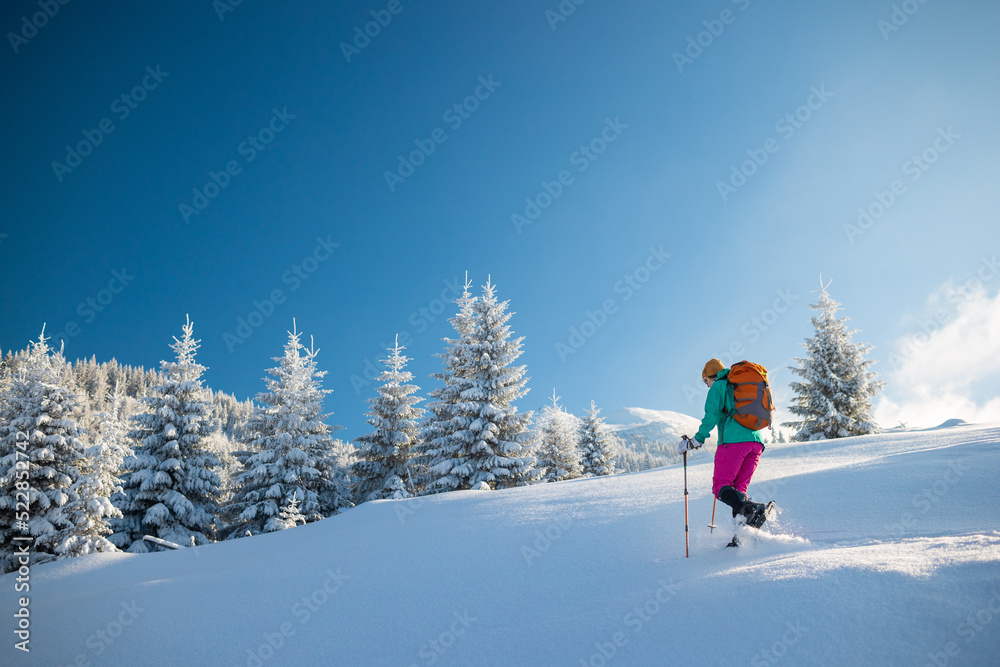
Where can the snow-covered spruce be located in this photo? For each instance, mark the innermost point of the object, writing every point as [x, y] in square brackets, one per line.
[41, 451]
[383, 455]
[171, 487]
[486, 434]
[295, 459]
[557, 443]
[91, 510]
[290, 516]
[597, 444]
[230, 468]
[834, 398]
[437, 431]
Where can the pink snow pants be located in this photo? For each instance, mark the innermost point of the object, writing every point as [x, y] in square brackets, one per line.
[735, 463]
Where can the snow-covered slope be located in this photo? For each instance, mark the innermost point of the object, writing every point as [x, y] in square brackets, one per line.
[886, 552]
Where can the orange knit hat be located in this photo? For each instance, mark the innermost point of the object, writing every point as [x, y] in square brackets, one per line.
[712, 369]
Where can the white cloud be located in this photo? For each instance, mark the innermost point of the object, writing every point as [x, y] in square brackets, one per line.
[948, 366]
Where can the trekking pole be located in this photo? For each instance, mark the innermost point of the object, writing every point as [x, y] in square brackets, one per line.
[712, 526]
[687, 553]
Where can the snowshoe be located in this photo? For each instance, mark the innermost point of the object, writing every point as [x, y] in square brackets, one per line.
[757, 513]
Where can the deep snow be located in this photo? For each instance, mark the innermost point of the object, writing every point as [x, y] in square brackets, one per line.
[886, 552]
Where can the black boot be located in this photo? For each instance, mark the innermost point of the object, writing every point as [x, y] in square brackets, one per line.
[735, 499]
[753, 513]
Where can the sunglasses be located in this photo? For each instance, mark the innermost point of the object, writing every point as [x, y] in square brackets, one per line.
[708, 381]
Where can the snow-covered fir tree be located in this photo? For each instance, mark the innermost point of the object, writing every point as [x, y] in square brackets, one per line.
[92, 509]
[231, 417]
[488, 435]
[343, 456]
[648, 462]
[779, 436]
[597, 444]
[172, 484]
[834, 398]
[557, 447]
[294, 459]
[41, 450]
[384, 454]
[222, 446]
[290, 515]
[438, 430]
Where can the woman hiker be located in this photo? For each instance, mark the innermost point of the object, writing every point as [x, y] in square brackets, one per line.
[739, 448]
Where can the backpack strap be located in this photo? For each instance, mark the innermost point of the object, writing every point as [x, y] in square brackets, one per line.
[730, 395]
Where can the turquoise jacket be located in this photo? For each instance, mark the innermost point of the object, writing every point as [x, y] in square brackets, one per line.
[719, 402]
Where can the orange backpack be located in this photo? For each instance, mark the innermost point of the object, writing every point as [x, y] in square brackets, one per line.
[751, 395]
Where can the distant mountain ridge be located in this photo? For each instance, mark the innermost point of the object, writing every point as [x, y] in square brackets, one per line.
[657, 431]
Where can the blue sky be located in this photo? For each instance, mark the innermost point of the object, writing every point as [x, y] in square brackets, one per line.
[267, 91]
